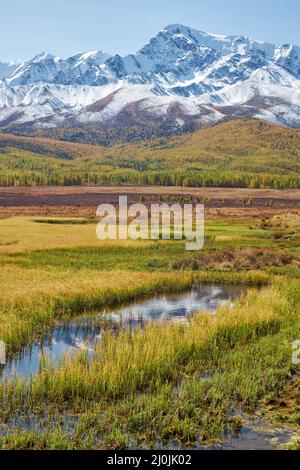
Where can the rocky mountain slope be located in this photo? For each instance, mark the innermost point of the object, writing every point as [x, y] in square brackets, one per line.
[182, 78]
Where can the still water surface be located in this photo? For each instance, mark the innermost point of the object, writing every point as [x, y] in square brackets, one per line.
[84, 332]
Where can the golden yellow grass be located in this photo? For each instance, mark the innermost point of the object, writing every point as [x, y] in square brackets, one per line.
[33, 296]
[287, 220]
[18, 234]
[246, 348]
[149, 357]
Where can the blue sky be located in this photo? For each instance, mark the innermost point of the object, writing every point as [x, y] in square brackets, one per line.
[64, 27]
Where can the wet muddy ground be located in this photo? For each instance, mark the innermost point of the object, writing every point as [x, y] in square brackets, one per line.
[83, 201]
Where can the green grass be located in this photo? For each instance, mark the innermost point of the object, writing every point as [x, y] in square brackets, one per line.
[146, 255]
[62, 221]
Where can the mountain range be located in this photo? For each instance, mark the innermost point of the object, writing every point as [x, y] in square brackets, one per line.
[183, 78]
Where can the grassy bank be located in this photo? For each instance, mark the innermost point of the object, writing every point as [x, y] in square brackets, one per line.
[187, 382]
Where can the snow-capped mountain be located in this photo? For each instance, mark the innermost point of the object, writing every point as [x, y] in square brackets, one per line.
[181, 77]
[8, 68]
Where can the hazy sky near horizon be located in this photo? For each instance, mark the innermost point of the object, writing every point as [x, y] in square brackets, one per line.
[65, 27]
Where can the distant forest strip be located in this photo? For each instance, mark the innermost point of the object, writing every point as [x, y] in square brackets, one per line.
[196, 179]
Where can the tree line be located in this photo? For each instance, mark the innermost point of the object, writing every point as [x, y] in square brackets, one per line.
[164, 178]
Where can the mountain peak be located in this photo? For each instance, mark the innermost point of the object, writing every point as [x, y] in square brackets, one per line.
[191, 74]
[172, 28]
[182, 29]
[43, 56]
[97, 55]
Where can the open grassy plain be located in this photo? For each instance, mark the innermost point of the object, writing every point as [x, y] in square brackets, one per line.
[168, 384]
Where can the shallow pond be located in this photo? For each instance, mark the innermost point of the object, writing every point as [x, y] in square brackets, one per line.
[83, 332]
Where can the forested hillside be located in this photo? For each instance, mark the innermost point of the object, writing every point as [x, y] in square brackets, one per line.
[241, 153]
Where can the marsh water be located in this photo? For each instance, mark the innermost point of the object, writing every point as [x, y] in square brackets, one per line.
[83, 332]
[254, 435]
